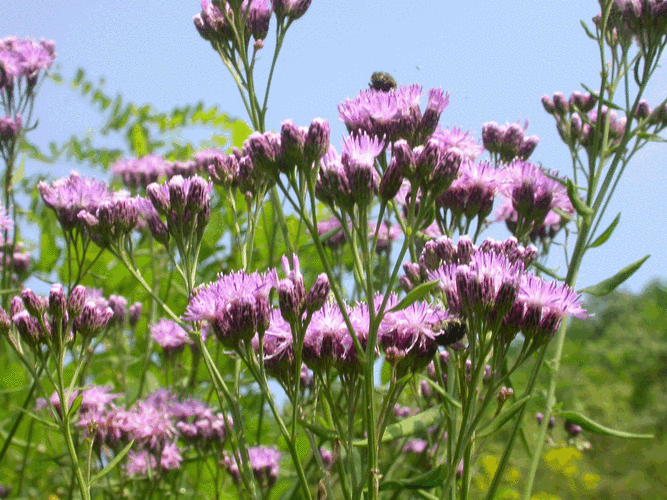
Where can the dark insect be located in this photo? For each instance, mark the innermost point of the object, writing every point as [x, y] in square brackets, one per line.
[451, 331]
[382, 81]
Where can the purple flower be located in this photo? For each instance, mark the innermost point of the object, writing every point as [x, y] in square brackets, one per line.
[410, 334]
[236, 305]
[259, 17]
[456, 138]
[416, 446]
[292, 9]
[10, 128]
[111, 220]
[327, 341]
[170, 336]
[140, 172]
[530, 199]
[223, 169]
[67, 197]
[393, 115]
[358, 159]
[326, 231]
[277, 346]
[212, 24]
[139, 463]
[508, 141]
[24, 58]
[386, 235]
[265, 464]
[291, 291]
[171, 457]
[92, 320]
[472, 194]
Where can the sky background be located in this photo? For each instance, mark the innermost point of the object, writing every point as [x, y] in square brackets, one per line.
[496, 60]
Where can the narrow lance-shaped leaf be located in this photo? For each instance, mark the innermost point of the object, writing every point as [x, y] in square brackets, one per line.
[112, 464]
[610, 284]
[600, 240]
[417, 293]
[505, 416]
[591, 426]
[581, 208]
[409, 426]
[431, 479]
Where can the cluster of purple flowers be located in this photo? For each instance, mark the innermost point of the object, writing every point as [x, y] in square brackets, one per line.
[90, 207]
[333, 236]
[161, 426]
[217, 26]
[643, 20]
[23, 60]
[185, 203]
[393, 114]
[532, 200]
[140, 172]
[508, 142]
[56, 320]
[170, 336]
[488, 287]
[265, 464]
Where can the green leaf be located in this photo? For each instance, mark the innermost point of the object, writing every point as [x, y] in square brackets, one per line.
[112, 464]
[591, 426]
[417, 293]
[431, 479]
[651, 137]
[610, 284]
[505, 416]
[385, 374]
[138, 137]
[78, 78]
[588, 31]
[75, 405]
[320, 431]
[600, 240]
[442, 392]
[581, 208]
[48, 423]
[408, 427]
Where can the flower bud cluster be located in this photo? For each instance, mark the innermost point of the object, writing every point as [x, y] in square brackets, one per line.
[185, 205]
[140, 172]
[643, 20]
[54, 321]
[264, 462]
[112, 220]
[509, 141]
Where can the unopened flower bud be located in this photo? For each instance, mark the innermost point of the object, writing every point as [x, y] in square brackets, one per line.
[16, 306]
[391, 181]
[177, 194]
[291, 144]
[318, 293]
[57, 301]
[573, 430]
[28, 328]
[293, 9]
[76, 300]
[135, 314]
[548, 104]
[5, 322]
[643, 110]
[560, 104]
[35, 305]
[92, 320]
[317, 140]
[199, 194]
[158, 198]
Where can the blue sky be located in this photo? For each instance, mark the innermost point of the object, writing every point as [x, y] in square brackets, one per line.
[496, 59]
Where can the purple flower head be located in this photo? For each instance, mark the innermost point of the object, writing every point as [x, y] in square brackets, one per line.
[67, 197]
[112, 219]
[358, 159]
[264, 151]
[236, 305]
[437, 102]
[92, 320]
[543, 305]
[436, 166]
[277, 346]
[508, 141]
[265, 464]
[331, 233]
[327, 341]
[292, 141]
[333, 184]
[386, 235]
[408, 336]
[573, 430]
[171, 457]
[140, 172]
[533, 197]
[212, 24]
[259, 17]
[316, 142]
[10, 128]
[318, 294]
[392, 115]
[139, 463]
[24, 59]
[223, 169]
[292, 9]
[416, 446]
[291, 291]
[28, 328]
[456, 138]
[170, 336]
[157, 228]
[472, 193]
